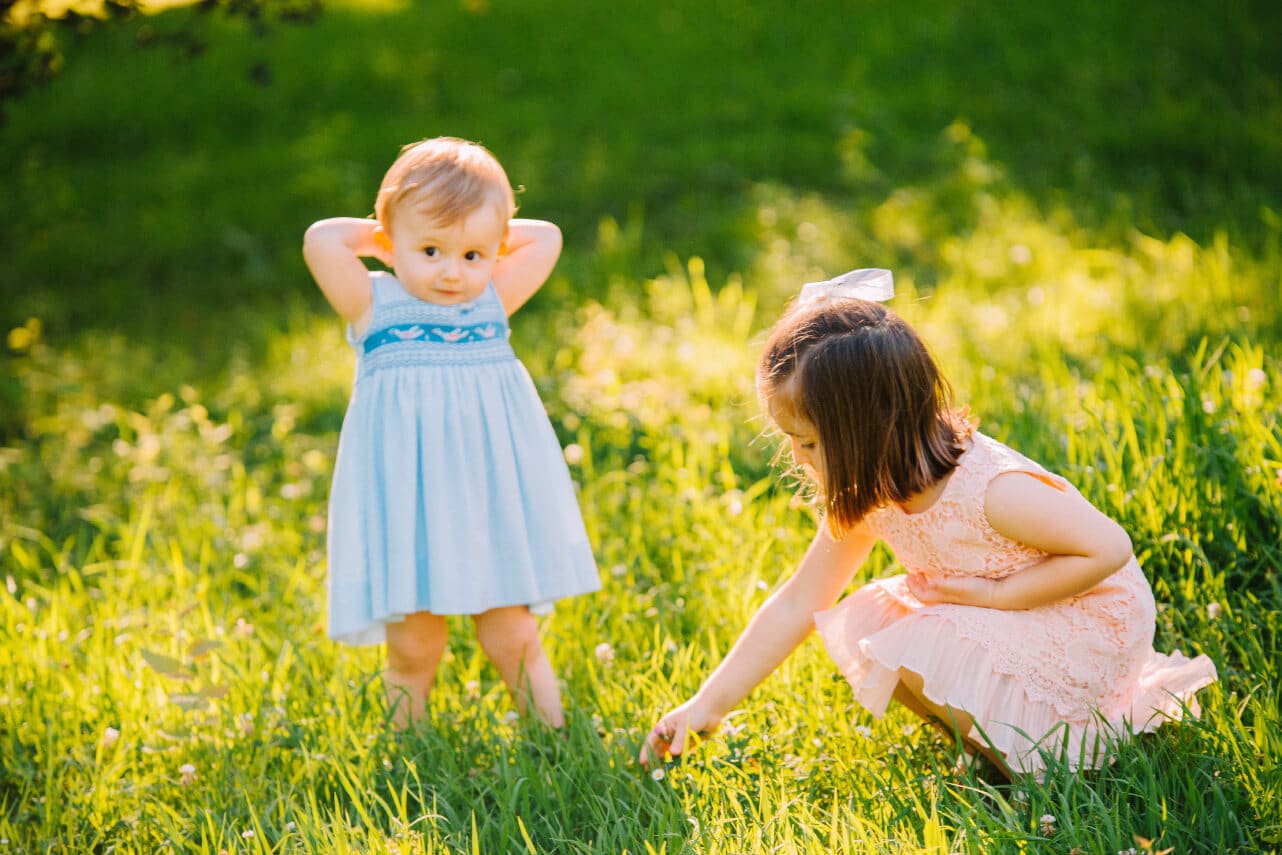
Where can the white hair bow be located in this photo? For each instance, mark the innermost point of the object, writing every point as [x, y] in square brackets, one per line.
[866, 283]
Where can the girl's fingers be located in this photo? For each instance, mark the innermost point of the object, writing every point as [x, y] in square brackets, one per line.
[658, 742]
[678, 743]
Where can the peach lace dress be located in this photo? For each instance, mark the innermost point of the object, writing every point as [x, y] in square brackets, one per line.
[1071, 676]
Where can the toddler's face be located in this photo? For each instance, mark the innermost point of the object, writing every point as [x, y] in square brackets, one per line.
[802, 436]
[446, 263]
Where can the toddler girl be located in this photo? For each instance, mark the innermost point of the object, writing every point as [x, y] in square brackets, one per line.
[1023, 623]
[450, 493]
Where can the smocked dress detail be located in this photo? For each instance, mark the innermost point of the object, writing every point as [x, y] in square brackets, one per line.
[450, 491]
[1070, 677]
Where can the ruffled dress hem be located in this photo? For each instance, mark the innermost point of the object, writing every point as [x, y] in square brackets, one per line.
[877, 631]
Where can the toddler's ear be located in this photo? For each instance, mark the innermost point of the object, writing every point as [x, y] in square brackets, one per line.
[381, 238]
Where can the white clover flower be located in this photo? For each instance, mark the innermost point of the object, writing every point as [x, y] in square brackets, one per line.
[604, 653]
[1213, 610]
[186, 774]
[1046, 825]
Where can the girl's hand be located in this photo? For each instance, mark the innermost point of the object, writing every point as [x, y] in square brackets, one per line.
[671, 734]
[958, 590]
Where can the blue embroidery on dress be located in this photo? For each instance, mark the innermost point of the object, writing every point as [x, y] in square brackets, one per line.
[439, 333]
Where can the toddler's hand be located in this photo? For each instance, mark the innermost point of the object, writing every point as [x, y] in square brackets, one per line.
[959, 590]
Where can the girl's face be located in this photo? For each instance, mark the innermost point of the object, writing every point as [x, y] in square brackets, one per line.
[446, 263]
[802, 436]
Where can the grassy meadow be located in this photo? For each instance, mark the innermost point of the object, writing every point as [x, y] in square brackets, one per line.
[1082, 204]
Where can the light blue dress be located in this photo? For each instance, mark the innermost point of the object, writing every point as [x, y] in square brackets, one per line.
[450, 493]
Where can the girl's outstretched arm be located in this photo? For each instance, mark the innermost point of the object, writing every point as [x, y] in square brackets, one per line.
[1085, 546]
[529, 254]
[333, 249]
[778, 627]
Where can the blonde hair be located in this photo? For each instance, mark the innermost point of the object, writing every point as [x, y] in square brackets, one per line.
[882, 410]
[445, 179]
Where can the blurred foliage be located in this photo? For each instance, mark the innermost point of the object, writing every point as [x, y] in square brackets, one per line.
[32, 38]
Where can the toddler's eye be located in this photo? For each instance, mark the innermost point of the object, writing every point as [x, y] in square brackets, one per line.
[473, 255]
[431, 252]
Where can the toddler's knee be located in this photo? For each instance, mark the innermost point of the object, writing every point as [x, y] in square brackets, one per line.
[507, 634]
[416, 652]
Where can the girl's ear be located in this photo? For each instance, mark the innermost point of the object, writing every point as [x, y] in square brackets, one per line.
[381, 238]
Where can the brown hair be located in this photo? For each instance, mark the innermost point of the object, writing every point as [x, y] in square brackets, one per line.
[446, 179]
[882, 410]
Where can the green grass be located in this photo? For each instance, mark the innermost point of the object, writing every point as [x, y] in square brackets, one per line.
[1081, 205]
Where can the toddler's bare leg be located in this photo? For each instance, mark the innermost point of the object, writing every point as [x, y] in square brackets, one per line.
[952, 722]
[510, 638]
[414, 649]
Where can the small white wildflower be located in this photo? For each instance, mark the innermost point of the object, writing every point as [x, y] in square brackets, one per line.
[248, 834]
[604, 653]
[186, 774]
[240, 560]
[657, 774]
[512, 717]
[1208, 406]
[472, 689]
[109, 737]
[289, 826]
[908, 729]
[1213, 610]
[864, 730]
[244, 628]
[1046, 825]
[1256, 378]
[573, 454]
[245, 721]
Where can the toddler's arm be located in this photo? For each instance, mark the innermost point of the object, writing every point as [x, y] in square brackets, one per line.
[333, 249]
[1085, 546]
[529, 254]
[778, 627]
